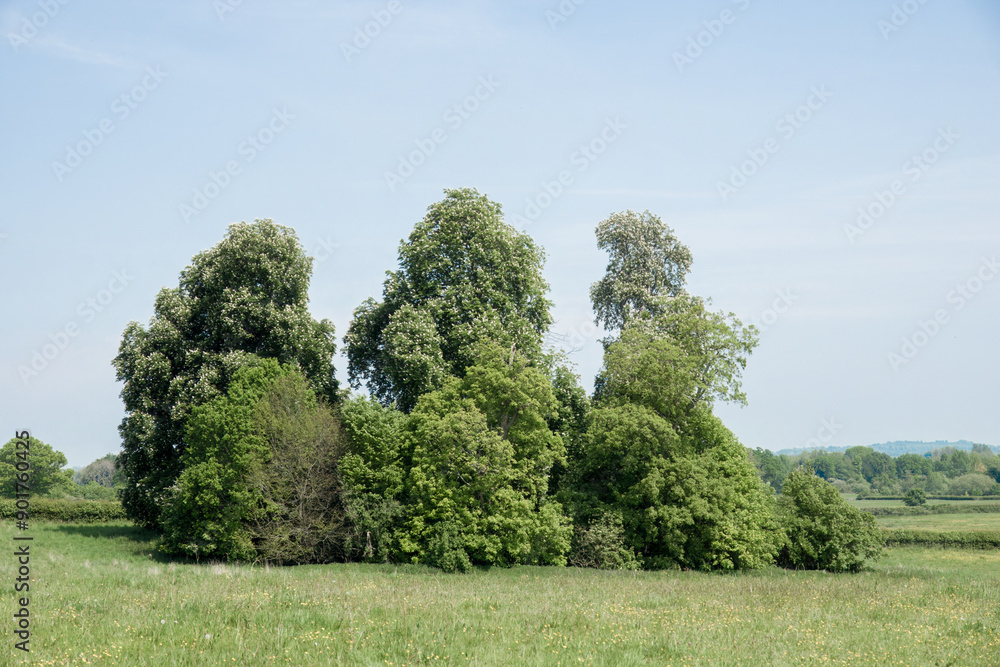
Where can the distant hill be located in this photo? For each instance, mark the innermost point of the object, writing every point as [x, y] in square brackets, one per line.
[895, 448]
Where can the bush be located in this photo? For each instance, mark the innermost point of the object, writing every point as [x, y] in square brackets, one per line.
[823, 531]
[94, 491]
[602, 545]
[915, 497]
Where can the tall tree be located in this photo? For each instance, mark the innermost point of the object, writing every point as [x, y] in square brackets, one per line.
[245, 297]
[465, 276]
[646, 262]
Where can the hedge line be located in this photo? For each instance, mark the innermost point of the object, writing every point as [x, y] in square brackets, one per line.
[986, 497]
[972, 539]
[56, 509]
[985, 508]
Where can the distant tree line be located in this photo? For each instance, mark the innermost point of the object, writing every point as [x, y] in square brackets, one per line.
[478, 446]
[864, 471]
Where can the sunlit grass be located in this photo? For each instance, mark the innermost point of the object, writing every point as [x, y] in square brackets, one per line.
[99, 597]
[942, 522]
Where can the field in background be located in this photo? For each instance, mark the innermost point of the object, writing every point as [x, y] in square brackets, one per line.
[101, 595]
[862, 504]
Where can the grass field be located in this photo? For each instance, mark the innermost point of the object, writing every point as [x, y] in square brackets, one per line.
[942, 522]
[99, 597]
[861, 504]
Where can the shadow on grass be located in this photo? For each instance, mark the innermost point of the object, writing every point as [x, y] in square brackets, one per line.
[134, 533]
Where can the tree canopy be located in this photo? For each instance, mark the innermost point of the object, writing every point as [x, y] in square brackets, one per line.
[245, 297]
[48, 474]
[464, 277]
[646, 263]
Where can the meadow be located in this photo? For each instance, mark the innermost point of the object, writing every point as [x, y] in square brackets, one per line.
[101, 595]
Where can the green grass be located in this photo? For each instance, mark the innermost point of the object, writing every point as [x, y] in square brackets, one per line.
[942, 522]
[861, 504]
[99, 597]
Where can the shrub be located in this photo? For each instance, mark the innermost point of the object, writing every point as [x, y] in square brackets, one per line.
[823, 531]
[915, 497]
[602, 545]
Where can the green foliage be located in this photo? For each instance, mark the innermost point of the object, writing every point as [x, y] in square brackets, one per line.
[372, 473]
[102, 472]
[464, 277]
[915, 497]
[646, 262]
[481, 455]
[66, 510]
[972, 539]
[973, 484]
[688, 495]
[211, 508]
[602, 545]
[677, 359]
[48, 475]
[94, 491]
[772, 468]
[824, 532]
[303, 519]
[245, 297]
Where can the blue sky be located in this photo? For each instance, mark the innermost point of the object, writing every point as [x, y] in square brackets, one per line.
[134, 133]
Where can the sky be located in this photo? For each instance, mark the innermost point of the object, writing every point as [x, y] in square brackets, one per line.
[833, 167]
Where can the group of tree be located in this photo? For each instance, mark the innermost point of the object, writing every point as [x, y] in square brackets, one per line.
[478, 445]
[44, 474]
[864, 471]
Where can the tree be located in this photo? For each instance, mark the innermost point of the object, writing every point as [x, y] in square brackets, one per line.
[245, 297]
[48, 475]
[686, 494]
[303, 518]
[915, 497]
[211, 508]
[260, 476]
[823, 531]
[481, 454]
[646, 263]
[678, 358]
[372, 473]
[464, 277]
[102, 471]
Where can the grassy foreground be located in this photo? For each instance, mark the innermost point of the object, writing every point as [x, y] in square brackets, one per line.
[99, 597]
